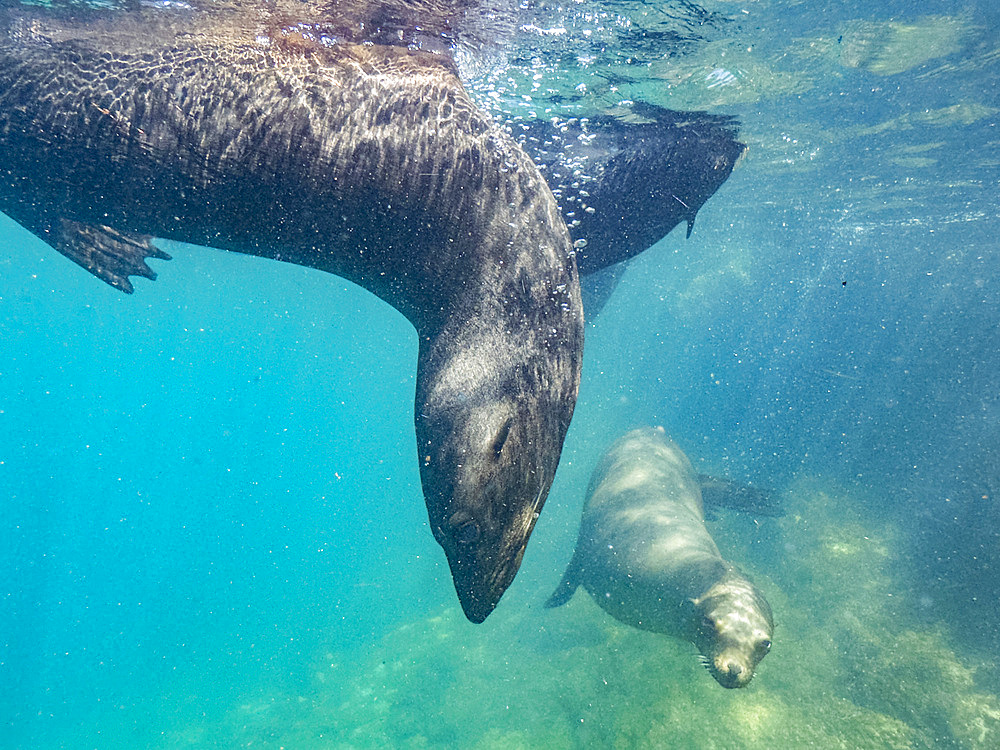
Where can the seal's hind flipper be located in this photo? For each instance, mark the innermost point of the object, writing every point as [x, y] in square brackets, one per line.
[110, 255]
[718, 492]
[566, 588]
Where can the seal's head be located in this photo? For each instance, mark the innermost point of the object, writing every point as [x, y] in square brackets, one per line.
[491, 417]
[734, 630]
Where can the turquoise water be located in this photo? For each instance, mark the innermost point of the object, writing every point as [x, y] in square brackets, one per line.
[217, 535]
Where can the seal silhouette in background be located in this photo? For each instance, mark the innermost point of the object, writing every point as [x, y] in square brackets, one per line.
[647, 559]
[258, 132]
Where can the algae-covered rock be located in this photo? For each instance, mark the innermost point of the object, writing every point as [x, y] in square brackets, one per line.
[917, 678]
[848, 668]
[770, 721]
[848, 573]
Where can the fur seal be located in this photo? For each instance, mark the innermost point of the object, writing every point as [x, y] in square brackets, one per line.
[266, 135]
[647, 559]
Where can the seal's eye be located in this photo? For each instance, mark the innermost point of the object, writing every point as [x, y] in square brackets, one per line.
[764, 645]
[501, 438]
[467, 533]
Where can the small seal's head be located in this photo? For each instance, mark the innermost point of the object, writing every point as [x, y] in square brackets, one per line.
[734, 630]
[489, 435]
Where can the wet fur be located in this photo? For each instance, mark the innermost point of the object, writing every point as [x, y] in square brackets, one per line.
[645, 556]
[244, 132]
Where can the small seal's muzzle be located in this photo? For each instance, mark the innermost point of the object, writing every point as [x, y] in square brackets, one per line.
[730, 673]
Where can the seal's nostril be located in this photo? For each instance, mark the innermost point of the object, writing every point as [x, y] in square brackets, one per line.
[735, 669]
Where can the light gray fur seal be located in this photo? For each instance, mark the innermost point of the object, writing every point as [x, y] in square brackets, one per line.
[268, 130]
[647, 559]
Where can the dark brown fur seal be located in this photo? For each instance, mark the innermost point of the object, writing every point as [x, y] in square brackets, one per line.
[647, 559]
[257, 134]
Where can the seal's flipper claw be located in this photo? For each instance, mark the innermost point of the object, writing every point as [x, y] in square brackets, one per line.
[110, 255]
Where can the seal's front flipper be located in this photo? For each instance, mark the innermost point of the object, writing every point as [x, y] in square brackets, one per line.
[566, 588]
[718, 492]
[110, 255]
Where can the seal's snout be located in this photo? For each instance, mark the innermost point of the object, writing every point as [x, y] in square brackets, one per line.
[479, 588]
[731, 674]
[476, 608]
